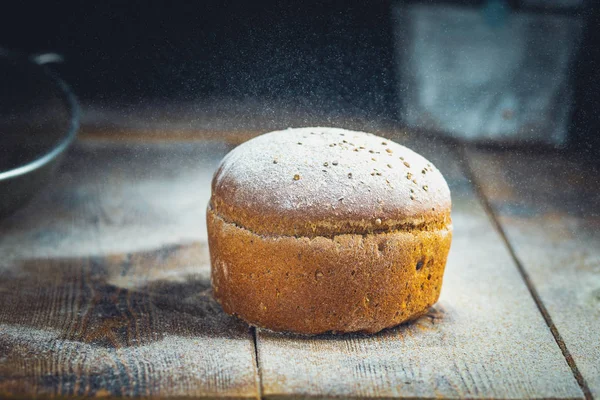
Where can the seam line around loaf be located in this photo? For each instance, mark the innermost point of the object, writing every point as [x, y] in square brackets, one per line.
[424, 226]
[466, 166]
[445, 227]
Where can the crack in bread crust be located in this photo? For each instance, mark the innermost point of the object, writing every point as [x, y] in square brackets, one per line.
[349, 227]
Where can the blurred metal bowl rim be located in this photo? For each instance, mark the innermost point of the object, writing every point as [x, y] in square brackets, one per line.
[69, 136]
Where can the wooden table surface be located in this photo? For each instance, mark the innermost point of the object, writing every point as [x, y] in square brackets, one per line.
[105, 288]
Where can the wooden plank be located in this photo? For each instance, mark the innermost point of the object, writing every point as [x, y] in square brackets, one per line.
[105, 284]
[484, 339]
[549, 208]
[117, 198]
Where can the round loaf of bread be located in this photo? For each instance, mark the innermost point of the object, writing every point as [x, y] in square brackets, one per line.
[317, 230]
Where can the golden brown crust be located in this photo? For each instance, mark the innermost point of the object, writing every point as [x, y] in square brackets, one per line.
[346, 283]
[325, 182]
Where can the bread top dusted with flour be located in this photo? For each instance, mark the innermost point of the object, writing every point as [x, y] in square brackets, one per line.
[327, 181]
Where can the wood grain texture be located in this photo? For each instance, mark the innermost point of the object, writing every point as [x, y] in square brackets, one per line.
[105, 285]
[104, 290]
[484, 339]
[549, 208]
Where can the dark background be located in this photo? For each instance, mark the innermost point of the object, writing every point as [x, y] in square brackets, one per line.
[329, 56]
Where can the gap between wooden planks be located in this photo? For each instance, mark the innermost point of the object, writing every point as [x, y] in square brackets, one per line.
[548, 208]
[484, 339]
